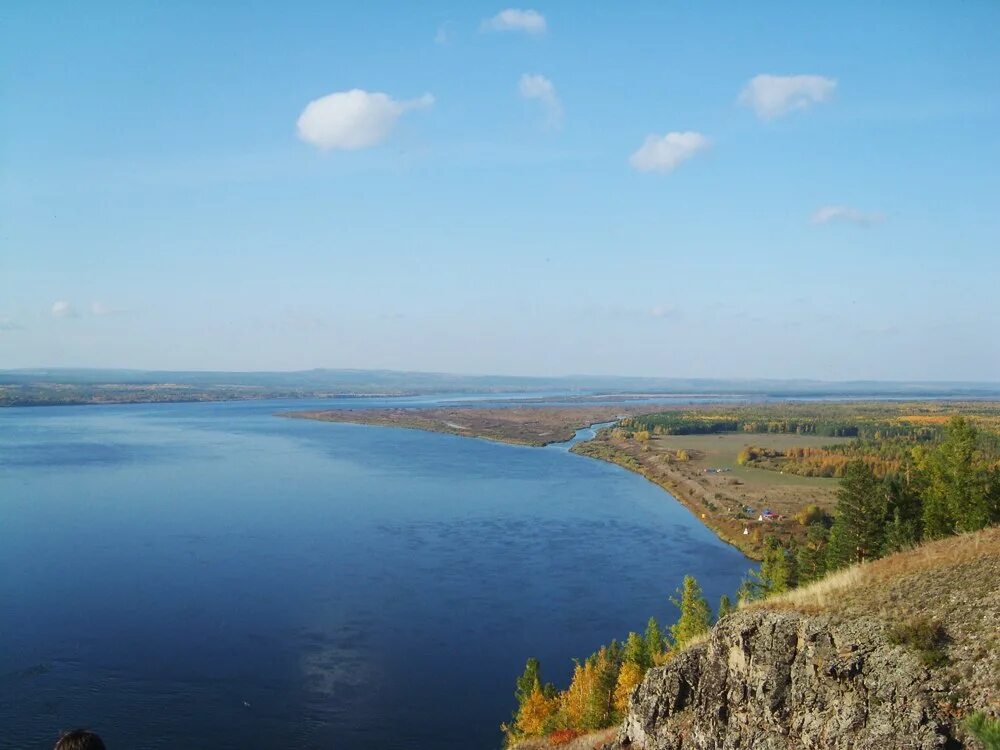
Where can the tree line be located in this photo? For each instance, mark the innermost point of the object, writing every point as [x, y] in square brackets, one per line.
[603, 683]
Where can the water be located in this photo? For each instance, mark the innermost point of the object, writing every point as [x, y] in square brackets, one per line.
[213, 576]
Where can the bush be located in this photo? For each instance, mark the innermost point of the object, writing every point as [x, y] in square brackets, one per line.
[926, 637]
[812, 514]
[564, 736]
[984, 729]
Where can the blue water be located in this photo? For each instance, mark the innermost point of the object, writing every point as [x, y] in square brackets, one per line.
[213, 576]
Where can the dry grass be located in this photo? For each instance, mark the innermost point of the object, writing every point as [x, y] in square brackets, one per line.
[591, 741]
[829, 592]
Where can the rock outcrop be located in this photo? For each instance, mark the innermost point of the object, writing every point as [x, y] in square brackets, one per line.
[780, 679]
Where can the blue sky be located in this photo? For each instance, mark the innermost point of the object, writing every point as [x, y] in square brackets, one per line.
[483, 202]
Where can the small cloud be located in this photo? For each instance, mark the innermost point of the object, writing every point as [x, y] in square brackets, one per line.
[355, 119]
[443, 34]
[828, 214]
[663, 311]
[665, 153]
[541, 88]
[774, 96]
[63, 309]
[514, 19]
[8, 324]
[101, 310]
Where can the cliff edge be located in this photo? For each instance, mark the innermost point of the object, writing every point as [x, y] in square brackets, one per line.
[891, 654]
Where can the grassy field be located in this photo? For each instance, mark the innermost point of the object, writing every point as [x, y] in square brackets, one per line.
[729, 498]
[720, 451]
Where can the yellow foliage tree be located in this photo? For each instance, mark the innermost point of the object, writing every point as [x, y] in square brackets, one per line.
[588, 702]
[534, 717]
[629, 676]
[576, 697]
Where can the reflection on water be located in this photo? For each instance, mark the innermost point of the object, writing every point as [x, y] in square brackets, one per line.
[208, 575]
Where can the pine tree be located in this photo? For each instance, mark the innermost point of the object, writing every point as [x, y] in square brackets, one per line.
[961, 489]
[529, 681]
[811, 554]
[636, 652]
[725, 606]
[858, 527]
[655, 644]
[696, 617]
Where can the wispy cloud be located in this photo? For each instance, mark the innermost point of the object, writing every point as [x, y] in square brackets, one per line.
[101, 310]
[773, 96]
[515, 19]
[540, 88]
[443, 34]
[355, 119]
[663, 311]
[665, 153]
[828, 214]
[63, 309]
[9, 324]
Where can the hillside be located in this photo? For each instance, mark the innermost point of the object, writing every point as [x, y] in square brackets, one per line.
[891, 654]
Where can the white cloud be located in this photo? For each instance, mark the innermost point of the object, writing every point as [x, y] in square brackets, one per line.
[100, 309]
[774, 96]
[63, 309]
[663, 311]
[8, 324]
[354, 119]
[442, 35]
[514, 19]
[827, 214]
[665, 153]
[539, 87]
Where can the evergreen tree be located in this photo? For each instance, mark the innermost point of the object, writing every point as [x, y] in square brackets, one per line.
[725, 606]
[859, 525]
[655, 644]
[811, 554]
[960, 493]
[636, 652]
[778, 571]
[528, 682]
[696, 616]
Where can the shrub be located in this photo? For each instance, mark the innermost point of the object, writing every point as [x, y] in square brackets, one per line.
[926, 637]
[811, 514]
[564, 736]
[984, 729]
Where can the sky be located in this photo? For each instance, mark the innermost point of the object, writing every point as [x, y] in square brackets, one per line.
[668, 188]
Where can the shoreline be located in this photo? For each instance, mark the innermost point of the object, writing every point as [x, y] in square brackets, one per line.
[670, 486]
[447, 422]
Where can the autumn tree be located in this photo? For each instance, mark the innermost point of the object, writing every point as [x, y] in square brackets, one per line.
[629, 677]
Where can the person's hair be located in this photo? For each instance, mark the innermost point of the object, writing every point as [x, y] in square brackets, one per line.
[79, 739]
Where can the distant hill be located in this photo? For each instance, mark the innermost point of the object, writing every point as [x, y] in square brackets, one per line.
[58, 385]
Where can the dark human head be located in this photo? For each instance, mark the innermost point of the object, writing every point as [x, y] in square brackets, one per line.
[79, 739]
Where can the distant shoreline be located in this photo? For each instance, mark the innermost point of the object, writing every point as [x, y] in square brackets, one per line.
[531, 427]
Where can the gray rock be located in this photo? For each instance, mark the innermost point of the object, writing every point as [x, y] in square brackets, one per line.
[772, 679]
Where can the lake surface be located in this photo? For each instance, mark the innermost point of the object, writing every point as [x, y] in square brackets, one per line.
[213, 576]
